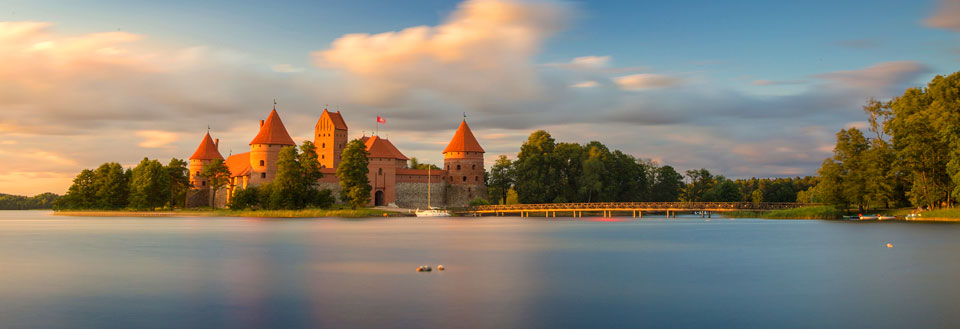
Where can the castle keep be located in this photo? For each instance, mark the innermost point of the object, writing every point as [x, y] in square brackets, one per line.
[392, 181]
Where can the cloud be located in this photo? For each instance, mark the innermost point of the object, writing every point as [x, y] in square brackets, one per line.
[777, 83]
[285, 68]
[483, 51]
[643, 81]
[156, 138]
[878, 78]
[947, 16]
[585, 84]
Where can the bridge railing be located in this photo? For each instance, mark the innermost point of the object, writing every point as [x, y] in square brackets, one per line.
[645, 205]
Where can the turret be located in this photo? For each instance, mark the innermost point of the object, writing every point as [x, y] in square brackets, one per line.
[265, 149]
[463, 158]
[206, 152]
[330, 138]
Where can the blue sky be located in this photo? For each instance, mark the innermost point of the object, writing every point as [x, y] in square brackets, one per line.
[743, 88]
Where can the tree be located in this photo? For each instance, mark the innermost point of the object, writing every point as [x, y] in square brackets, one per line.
[218, 176]
[288, 186]
[501, 179]
[112, 187]
[179, 176]
[81, 194]
[150, 185]
[352, 171]
[667, 185]
[700, 182]
[590, 181]
[538, 179]
[415, 164]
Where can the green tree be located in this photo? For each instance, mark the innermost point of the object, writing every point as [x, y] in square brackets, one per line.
[537, 171]
[352, 171]
[415, 164]
[667, 186]
[179, 176]
[150, 185]
[700, 182]
[218, 176]
[112, 187]
[501, 179]
[81, 194]
[289, 186]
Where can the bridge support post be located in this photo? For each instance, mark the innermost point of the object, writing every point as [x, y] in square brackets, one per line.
[709, 214]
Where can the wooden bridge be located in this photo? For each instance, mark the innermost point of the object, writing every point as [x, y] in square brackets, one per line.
[636, 209]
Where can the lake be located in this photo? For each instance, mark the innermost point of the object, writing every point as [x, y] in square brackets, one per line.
[501, 272]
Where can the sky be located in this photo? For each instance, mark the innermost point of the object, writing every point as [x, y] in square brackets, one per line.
[742, 88]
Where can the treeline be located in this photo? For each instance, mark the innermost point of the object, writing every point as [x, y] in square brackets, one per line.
[21, 202]
[912, 156]
[149, 185]
[549, 172]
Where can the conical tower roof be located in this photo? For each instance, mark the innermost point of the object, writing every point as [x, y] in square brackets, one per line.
[207, 150]
[273, 132]
[463, 141]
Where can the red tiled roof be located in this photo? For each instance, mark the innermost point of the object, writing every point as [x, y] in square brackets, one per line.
[207, 150]
[463, 141]
[239, 164]
[382, 148]
[273, 132]
[336, 118]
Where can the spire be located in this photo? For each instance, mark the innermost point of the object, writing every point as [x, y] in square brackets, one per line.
[207, 150]
[463, 140]
[273, 132]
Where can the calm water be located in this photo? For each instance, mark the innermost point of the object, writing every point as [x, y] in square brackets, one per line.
[66, 272]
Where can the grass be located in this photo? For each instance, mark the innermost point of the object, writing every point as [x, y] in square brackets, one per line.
[336, 211]
[302, 213]
[819, 212]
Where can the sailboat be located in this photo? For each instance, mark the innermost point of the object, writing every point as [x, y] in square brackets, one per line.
[431, 211]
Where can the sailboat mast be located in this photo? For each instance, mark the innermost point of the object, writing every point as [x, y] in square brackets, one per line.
[428, 186]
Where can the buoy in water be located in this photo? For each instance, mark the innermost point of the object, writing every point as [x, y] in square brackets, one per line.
[439, 267]
[889, 245]
[420, 269]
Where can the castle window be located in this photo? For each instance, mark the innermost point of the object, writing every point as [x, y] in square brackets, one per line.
[203, 183]
[198, 173]
[261, 163]
[474, 167]
[323, 156]
[458, 167]
[379, 171]
[464, 178]
[476, 178]
[324, 145]
[263, 175]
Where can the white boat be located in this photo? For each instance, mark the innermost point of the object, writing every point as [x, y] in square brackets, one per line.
[431, 211]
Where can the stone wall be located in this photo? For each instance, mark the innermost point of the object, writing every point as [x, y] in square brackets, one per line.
[198, 198]
[414, 195]
[458, 195]
[223, 195]
[334, 190]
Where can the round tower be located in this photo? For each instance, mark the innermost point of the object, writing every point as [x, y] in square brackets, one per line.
[265, 149]
[463, 165]
[204, 155]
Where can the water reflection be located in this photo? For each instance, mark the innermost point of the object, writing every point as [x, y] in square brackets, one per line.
[63, 272]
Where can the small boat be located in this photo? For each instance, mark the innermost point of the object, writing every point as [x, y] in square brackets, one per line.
[883, 217]
[430, 211]
[851, 217]
[913, 216]
[869, 217]
[433, 212]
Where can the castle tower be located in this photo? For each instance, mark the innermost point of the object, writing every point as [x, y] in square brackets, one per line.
[463, 162]
[330, 138]
[265, 149]
[205, 154]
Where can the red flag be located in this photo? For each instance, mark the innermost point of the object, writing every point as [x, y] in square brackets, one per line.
[381, 120]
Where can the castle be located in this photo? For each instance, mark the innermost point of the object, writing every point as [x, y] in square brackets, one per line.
[392, 181]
